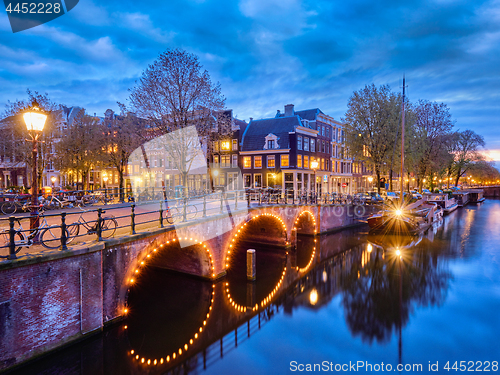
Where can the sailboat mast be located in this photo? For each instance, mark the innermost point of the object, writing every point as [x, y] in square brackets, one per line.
[402, 145]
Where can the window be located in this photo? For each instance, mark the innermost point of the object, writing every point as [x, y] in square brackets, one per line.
[312, 145]
[299, 161]
[258, 180]
[216, 146]
[328, 133]
[306, 161]
[225, 146]
[270, 161]
[299, 142]
[284, 161]
[257, 161]
[247, 180]
[235, 161]
[323, 131]
[247, 162]
[322, 164]
[225, 161]
[306, 144]
[216, 160]
[319, 129]
[235, 145]
[270, 144]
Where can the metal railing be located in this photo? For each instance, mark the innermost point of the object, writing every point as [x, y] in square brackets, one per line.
[75, 223]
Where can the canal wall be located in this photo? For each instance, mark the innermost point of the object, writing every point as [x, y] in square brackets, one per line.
[55, 298]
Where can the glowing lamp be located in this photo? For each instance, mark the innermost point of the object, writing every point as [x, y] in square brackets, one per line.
[399, 212]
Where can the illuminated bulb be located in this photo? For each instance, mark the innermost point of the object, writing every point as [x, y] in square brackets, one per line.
[195, 335]
[161, 361]
[174, 355]
[149, 361]
[137, 356]
[185, 346]
[168, 358]
[191, 341]
[398, 253]
[180, 351]
[142, 360]
[398, 212]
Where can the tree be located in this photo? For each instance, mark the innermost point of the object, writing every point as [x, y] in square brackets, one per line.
[432, 126]
[80, 148]
[372, 120]
[15, 144]
[174, 93]
[121, 136]
[466, 152]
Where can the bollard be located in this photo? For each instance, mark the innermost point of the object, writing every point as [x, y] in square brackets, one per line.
[12, 236]
[99, 224]
[64, 238]
[251, 264]
[161, 214]
[132, 219]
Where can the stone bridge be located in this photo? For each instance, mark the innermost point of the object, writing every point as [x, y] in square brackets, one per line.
[47, 301]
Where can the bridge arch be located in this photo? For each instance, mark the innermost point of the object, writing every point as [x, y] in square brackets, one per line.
[263, 228]
[305, 223]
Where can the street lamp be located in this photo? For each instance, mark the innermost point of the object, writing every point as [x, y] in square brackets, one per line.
[370, 180]
[35, 121]
[314, 166]
[104, 180]
[53, 179]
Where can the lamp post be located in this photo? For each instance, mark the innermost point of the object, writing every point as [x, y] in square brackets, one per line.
[314, 166]
[370, 180]
[104, 180]
[35, 121]
[53, 179]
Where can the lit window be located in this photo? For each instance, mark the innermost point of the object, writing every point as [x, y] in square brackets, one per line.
[216, 160]
[284, 161]
[257, 161]
[225, 146]
[258, 180]
[299, 161]
[216, 146]
[270, 161]
[247, 162]
[225, 161]
[306, 161]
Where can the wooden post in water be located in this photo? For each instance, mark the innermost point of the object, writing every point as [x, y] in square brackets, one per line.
[251, 264]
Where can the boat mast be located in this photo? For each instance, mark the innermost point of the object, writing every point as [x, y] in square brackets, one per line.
[402, 145]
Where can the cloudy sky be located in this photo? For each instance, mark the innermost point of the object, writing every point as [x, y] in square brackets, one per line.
[268, 53]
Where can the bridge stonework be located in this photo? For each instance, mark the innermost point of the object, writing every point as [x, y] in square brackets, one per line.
[51, 299]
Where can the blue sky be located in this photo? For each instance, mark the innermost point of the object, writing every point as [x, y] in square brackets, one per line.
[268, 53]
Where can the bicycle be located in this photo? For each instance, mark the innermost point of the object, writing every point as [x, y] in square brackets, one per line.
[108, 225]
[175, 212]
[10, 207]
[48, 236]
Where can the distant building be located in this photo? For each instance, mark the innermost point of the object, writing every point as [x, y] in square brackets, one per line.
[277, 152]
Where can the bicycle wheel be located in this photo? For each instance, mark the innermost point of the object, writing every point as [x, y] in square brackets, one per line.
[108, 226]
[9, 208]
[5, 242]
[175, 215]
[73, 230]
[191, 212]
[167, 215]
[51, 237]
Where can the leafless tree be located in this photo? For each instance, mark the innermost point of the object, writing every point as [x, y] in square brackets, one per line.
[175, 93]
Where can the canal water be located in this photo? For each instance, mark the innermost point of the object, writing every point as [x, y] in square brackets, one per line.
[346, 301]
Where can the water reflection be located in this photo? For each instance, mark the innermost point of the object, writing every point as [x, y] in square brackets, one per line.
[378, 283]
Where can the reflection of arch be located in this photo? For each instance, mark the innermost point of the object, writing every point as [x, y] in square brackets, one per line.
[310, 215]
[263, 303]
[147, 256]
[304, 269]
[238, 231]
[172, 356]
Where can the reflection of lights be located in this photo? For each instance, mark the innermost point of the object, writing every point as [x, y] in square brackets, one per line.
[240, 228]
[313, 296]
[325, 276]
[310, 215]
[303, 269]
[369, 248]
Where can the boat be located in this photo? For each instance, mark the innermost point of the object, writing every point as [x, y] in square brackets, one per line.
[414, 218]
[461, 197]
[476, 195]
[400, 216]
[443, 199]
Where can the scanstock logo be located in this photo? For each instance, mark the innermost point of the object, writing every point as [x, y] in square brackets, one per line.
[26, 14]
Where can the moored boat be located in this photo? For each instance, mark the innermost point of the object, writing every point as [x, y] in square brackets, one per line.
[461, 197]
[476, 195]
[442, 199]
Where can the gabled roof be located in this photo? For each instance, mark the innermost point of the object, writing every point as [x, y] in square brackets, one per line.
[309, 114]
[256, 131]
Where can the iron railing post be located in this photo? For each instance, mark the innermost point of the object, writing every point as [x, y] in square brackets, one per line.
[132, 219]
[12, 238]
[184, 210]
[64, 238]
[221, 200]
[161, 214]
[236, 200]
[204, 205]
[99, 224]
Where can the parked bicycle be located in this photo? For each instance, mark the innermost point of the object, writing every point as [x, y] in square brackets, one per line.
[48, 235]
[108, 225]
[175, 212]
[17, 203]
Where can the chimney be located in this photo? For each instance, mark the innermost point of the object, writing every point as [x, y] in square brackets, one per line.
[251, 118]
[289, 110]
[278, 114]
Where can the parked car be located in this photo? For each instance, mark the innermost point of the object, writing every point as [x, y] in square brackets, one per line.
[415, 194]
[390, 196]
[375, 197]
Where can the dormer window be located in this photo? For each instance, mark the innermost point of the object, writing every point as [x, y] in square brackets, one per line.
[271, 142]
